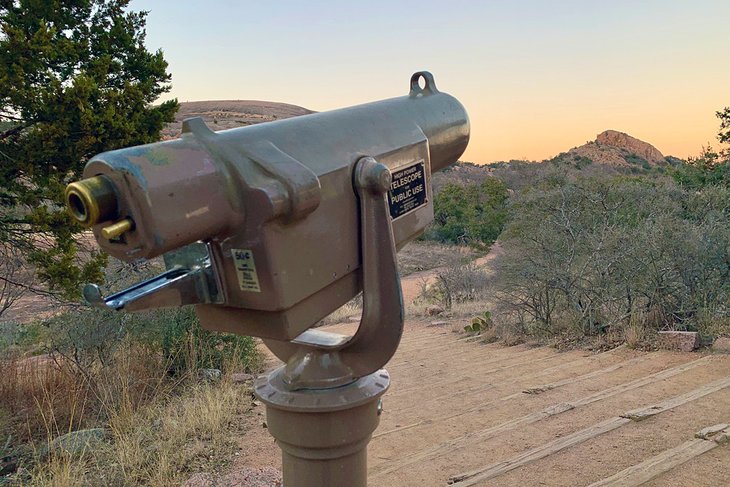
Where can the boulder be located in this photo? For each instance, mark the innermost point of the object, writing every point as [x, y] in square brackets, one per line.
[434, 310]
[76, 442]
[710, 431]
[683, 341]
[721, 345]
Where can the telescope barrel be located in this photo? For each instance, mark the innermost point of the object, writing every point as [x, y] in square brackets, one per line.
[172, 193]
[266, 218]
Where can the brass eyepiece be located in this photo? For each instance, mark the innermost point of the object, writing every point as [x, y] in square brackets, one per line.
[92, 200]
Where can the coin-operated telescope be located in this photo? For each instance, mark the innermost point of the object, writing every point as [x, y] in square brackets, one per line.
[269, 228]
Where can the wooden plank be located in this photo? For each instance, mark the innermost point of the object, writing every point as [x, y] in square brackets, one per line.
[479, 475]
[643, 413]
[547, 371]
[449, 396]
[710, 431]
[653, 467]
[635, 384]
[464, 440]
[508, 425]
[488, 405]
[496, 469]
[572, 380]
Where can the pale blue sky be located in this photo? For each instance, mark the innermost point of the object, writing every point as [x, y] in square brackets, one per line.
[536, 77]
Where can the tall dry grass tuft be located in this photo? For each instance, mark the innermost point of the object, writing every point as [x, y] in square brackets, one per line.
[639, 329]
[160, 428]
[161, 443]
[61, 470]
[138, 376]
[42, 397]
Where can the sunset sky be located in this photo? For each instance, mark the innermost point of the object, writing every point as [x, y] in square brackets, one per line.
[537, 77]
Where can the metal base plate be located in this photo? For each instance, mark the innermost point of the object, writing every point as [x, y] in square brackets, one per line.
[274, 393]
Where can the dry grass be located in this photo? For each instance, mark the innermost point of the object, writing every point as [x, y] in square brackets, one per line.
[159, 428]
[159, 444]
[60, 470]
[41, 398]
[162, 443]
[634, 336]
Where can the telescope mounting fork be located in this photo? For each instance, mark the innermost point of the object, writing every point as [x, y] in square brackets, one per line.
[323, 405]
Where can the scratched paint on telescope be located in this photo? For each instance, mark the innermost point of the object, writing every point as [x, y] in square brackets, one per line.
[408, 190]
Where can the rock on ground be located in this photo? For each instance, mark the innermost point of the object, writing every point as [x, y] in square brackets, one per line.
[434, 310]
[246, 477]
[209, 375]
[722, 344]
[241, 378]
[684, 341]
[77, 441]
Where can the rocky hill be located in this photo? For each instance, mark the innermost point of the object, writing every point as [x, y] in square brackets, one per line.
[615, 149]
[228, 114]
[612, 151]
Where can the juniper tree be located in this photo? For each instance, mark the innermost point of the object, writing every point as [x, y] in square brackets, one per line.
[75, 79]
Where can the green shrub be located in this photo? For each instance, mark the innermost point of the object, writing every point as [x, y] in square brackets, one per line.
[472, 214]
[582, 161]
[637, 160]
[186, 345]
[91, 336]
[479, 324]
[592, 254]
[709, 168]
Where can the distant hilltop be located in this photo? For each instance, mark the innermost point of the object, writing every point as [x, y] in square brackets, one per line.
[616, 148]
[228, 114]
[619, 151]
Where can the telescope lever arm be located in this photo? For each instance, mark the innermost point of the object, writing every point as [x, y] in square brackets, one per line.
[175, 287]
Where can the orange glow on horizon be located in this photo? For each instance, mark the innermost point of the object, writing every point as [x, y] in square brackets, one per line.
[537, 78]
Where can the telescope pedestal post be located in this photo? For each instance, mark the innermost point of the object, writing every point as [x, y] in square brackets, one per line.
[323, 433]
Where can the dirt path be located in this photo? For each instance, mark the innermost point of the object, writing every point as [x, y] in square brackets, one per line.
[477, 414]
[457, 407]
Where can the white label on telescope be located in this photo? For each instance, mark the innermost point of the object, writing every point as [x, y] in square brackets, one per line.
[246, 269]
[408, 190]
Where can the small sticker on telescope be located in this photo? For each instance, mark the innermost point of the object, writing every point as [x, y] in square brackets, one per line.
[408, 190]
[246, 270]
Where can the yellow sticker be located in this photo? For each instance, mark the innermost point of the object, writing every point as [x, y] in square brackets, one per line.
[246, 269]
